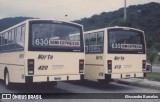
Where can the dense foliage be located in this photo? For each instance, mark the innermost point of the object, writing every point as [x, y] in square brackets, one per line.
[145, 17]
[11, 21]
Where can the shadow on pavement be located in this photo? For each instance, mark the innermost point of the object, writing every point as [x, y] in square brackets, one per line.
[105, 86]
[34, 88]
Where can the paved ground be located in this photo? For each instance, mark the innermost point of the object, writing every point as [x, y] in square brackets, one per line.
[145, 83]
[76, 87]
[128, 86]
[155, 69]
[80, 87]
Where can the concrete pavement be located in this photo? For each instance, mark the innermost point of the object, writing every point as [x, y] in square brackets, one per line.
[155, 69]
[140, 83]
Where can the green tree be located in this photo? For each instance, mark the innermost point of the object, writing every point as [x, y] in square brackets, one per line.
[151, 55]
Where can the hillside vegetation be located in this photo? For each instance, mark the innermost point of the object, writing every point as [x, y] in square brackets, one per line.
[145, 17]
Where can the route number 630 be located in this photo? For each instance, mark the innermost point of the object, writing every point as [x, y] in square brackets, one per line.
[41, 42]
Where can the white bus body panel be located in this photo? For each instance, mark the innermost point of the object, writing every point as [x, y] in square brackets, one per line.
[96, 69]
[93, 67]
[61, 66]
[14, 62]
[130, 66]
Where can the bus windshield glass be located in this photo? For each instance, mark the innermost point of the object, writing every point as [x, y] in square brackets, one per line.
[55, 36]
[126, 41]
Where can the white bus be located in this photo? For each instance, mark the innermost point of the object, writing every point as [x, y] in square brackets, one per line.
[41, 51]
[114, 52]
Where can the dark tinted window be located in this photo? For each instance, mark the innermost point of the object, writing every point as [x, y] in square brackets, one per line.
[48, 36]
[125, 41]
[94, 42]
[13, 39]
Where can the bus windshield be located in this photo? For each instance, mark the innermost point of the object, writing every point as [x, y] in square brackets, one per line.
[126, 41]
[55, 36]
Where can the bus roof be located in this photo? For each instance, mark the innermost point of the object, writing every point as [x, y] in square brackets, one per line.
[56, 21]
[26, 21]
[115, 27]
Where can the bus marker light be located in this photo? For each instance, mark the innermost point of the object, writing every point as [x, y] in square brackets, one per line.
[143, 65]
[81, 65]
[109, 62]
[30, 66]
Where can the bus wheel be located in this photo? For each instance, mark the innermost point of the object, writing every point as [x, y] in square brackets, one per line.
[6, 79]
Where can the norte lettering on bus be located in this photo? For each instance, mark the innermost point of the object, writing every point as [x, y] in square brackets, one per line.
[119, 58]
[43, 57]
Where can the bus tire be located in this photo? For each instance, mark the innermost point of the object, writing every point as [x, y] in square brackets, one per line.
[7, 79]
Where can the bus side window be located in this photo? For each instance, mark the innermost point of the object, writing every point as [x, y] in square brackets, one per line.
[18, 40]
[0, 40]
[86, 39]
[8, 42]
[6, 38]
[96, 42]
[13, 36]
[100, 38]
[10, 37]
[20, 31]
[0, 43]
[13, 39]
[100, 41]
[5, 41]
[12, 45]
[92, 42]
[23, 34]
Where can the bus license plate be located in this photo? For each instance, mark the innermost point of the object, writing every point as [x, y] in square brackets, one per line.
[57, 78]
[127, 76]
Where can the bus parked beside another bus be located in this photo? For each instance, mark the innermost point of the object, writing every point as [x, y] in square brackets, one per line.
[41, 51]
[113, 53]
